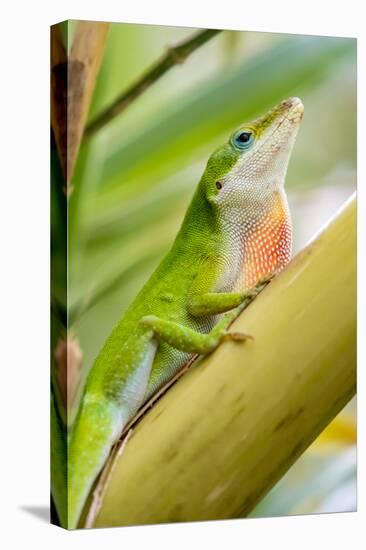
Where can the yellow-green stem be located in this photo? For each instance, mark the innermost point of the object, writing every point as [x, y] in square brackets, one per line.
[217, 441]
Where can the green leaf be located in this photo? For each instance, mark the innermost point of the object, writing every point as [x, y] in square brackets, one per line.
[234, 95]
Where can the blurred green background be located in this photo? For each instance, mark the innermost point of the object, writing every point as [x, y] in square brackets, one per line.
[135, 177]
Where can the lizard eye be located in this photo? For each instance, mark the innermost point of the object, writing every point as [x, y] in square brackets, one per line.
[243, 139]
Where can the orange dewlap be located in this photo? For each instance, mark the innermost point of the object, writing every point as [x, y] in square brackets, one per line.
[268, 246]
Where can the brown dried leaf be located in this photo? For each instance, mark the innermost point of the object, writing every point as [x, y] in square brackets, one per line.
[68, 356]
[72, 84]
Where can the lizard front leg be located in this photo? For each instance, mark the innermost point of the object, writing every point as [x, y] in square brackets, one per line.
[204, 301]
[212, 303]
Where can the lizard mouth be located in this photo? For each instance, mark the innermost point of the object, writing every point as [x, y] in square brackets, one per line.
[286, 117]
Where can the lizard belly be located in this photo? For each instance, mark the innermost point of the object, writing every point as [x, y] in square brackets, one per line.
[168, 360]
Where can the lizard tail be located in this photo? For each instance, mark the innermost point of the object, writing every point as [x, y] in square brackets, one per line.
[96, 428]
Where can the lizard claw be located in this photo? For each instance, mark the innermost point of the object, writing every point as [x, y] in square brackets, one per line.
[237, 336]
[266, 278]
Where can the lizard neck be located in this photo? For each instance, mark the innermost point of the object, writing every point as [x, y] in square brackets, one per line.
[248, 243]
[200, 230]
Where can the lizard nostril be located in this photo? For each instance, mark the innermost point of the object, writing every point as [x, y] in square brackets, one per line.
[287, 103]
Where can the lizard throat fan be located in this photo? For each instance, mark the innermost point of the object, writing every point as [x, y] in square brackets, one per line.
[268, 244]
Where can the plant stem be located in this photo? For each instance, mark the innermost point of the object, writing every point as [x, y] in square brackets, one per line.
[253, 408]
[175, 55]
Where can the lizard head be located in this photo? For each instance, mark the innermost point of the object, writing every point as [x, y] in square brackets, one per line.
[252, 165]
[244, 183]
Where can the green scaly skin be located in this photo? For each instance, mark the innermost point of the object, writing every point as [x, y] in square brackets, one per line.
[236, 229]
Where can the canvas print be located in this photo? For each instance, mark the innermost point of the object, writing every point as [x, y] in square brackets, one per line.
[203, 274]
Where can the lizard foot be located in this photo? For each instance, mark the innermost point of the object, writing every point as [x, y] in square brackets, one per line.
[255, 290]
[251, 293]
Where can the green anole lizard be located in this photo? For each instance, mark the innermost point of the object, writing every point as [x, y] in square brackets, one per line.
[237, 230]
